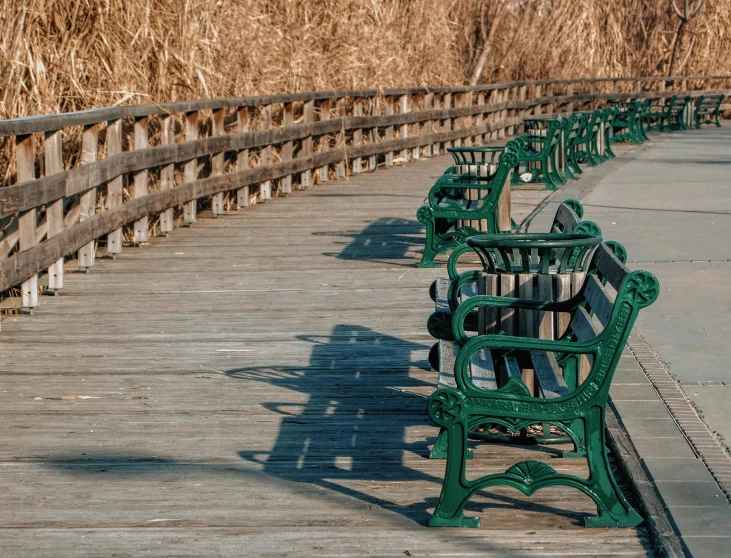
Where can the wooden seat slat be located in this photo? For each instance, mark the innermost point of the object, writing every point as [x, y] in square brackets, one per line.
[482, 369]
[582, 326]
[549, 375]
[599, 300]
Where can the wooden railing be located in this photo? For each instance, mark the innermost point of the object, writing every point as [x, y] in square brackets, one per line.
[90, 182]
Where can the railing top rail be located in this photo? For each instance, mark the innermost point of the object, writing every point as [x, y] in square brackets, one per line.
[53, 122]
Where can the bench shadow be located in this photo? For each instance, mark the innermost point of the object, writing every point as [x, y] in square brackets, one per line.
[385, 240]
[352, 421]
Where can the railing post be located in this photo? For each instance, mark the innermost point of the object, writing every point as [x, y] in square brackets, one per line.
[388, 132]
[54, 211]
[87, 201]
[480, 118]
[458, 123]
[447, 122]
[340, 166]
[428, 128]
[217, 129]
[523, 93]
[538, 109]
[372, 135]
[512, 95]
[324, 141]
[437, 126]
[570, 93]
[190, 209]
[167, 175]
[415, 127]
[265, 156]
[242, 157]
[114, 186]
[404, 129]
[356, 164]
[27, 221]
[306, 151]
[140, 179]
[287, 147]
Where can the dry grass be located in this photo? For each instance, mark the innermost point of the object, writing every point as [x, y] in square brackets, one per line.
[62, 55]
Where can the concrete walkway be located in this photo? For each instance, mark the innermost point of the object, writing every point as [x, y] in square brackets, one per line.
[669, 203]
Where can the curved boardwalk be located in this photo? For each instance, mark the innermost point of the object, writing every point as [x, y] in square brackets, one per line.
[255, 385]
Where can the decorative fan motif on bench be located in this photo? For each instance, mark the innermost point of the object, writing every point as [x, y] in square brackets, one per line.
[530, 472]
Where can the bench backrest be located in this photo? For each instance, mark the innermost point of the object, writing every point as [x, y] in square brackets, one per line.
[709, 102]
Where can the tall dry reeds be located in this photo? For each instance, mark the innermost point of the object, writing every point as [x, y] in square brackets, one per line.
[61, 55]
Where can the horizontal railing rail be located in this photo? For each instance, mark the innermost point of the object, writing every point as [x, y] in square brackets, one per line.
[77, 182]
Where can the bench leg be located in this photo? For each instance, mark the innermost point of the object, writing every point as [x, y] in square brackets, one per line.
[612, 507]
[431, 240]
[450, 508]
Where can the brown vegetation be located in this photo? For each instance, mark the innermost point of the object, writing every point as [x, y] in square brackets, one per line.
[62, 55]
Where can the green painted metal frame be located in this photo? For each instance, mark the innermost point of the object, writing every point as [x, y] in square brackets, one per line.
[627, 122]
[708, 106]
[538, 153]
[581, 414]
[444, 205]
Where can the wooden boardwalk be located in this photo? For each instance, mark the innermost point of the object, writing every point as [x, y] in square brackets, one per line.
[256, 385]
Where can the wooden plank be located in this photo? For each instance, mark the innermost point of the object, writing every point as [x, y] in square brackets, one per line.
[340, 109]
[217, 129]
[54, 212]
[242, 158]
[447, 122]
[265, 156]
[27, 221]
[356, 164]
[324, 141]
[114, 186]
[416, 128]
[404, 129]
[306, 151]
[526, 322]
[599, 301]
[167, 174]
[140, 180]
[388, 133]
[507, 315]
[482, 369]
[545, 320]
[87, 201]
[563, 292]
[287, 147]
[548, 375]
[190, 210]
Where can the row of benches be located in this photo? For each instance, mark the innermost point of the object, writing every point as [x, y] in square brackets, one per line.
[466, 199]
[527, 347]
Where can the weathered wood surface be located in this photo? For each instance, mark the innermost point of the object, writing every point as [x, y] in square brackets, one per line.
[256, 385]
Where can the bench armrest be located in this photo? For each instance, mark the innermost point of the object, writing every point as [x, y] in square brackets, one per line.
[460, 314]
[506, 342]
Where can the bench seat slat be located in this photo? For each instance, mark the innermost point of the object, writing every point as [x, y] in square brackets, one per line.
[549, 375]
[609, 266]
[598, 299]
[482, 370]
[582, 326]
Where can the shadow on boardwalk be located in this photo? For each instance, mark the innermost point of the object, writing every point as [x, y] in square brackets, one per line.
[385, 239]
[353, 425]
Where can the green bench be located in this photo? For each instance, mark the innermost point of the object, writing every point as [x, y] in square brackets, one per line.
[457, 202]
[598, 326]
[707, 110]
[627, 123]
[659, 116]
[538, 162]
